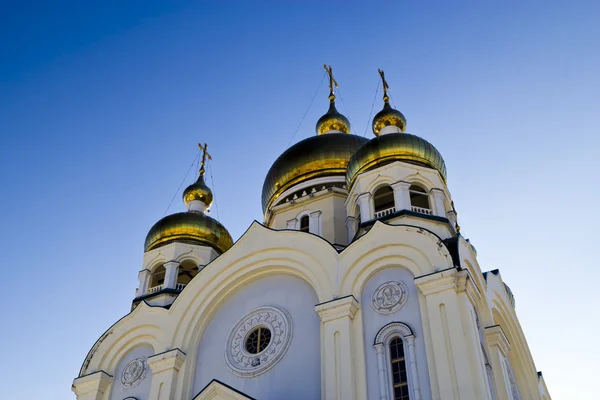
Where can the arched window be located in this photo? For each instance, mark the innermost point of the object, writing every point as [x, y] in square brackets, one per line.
[157, 279]
[383, 200]
[186, 272]
[399, 376]
[304, 223]
[395, 348]
[419, 200]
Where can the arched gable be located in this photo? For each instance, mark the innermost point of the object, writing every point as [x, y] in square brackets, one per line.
[384, 246]
[129, 332]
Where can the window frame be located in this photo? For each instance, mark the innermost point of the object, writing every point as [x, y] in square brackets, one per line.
[381, 344]
[425, 192]
[393, 196]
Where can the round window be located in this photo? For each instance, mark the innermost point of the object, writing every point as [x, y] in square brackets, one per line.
[258, 340]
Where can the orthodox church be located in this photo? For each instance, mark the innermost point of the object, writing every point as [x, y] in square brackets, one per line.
[357, 285]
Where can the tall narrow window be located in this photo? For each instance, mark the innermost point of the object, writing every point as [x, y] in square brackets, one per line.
[304, 225]
[383, 200]
[399, 377]
[419, 200]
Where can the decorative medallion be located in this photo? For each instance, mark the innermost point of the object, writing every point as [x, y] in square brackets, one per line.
[258, 341]
[389, 297]
[134, 372]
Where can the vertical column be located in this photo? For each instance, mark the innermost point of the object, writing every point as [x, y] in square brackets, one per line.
[337, 348]
[171, 268]
[401, 195]
[165, 367]
[468, 296]
[292, 223]
[412, 357]
[352, 227]
[382, 371]
[439, 208]
[499, 348]
[364, 203]
[143, 277]
[314, 222]
[92, 386]
[453, 365]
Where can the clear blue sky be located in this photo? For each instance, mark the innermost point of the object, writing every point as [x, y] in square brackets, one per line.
[102, 104]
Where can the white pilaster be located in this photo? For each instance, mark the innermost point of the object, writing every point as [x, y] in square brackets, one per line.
[382, 371]
[144, 278]
[292, 223]
[410, 341]
[450, 348]
[364, 203]
[352, 227]
[338, 378]
[439, 208]
[171, 269]
[165, 367]
[314, 222]
[499, 349]
[92, 386]
[401, 195]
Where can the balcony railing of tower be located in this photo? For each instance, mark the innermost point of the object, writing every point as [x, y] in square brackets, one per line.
[383, 213]
[421, 210]
[155, 289]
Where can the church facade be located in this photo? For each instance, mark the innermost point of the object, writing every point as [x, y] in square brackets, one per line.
[358, 285]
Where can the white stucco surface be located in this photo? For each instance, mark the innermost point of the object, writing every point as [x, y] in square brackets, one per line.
[141, 391]
[297, 375]
[409, 314]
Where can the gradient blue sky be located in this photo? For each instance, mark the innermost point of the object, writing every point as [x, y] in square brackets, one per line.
[102, 104]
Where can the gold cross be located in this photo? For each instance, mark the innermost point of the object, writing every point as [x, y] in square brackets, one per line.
[332, 82]
[385, 85]
[205, 155]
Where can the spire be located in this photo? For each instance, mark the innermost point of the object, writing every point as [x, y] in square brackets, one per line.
[198, 197]
[388, 120]
[332, 121]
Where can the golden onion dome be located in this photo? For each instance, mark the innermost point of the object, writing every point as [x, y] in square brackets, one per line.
[314, 157]
[388, 117]
[392, 147]
[189, 227]
[198, 191]
[332, 121]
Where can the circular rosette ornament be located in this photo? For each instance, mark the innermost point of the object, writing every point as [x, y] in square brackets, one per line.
[134, 372]
[258, 341]
[389, 297]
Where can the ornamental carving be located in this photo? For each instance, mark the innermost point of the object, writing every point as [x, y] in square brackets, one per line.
[389, 297]
[134, 372]
[246, 364]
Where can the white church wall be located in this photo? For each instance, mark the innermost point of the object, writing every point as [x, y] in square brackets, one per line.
[408, 314]
[132, 385]
[297, 375]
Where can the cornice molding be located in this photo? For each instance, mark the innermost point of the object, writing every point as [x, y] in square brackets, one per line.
[95, 382]
[171, 359]
[339, 308]
[496, 337]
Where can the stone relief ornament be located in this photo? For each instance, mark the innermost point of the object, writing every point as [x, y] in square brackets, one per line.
[134, 372]
[240, 360]
[389, 297]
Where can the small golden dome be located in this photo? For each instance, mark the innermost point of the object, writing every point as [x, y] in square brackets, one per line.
[189, 227]
[388, 117]
[392, 147]
[316, 156]
[198, 191]
[332, 120]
